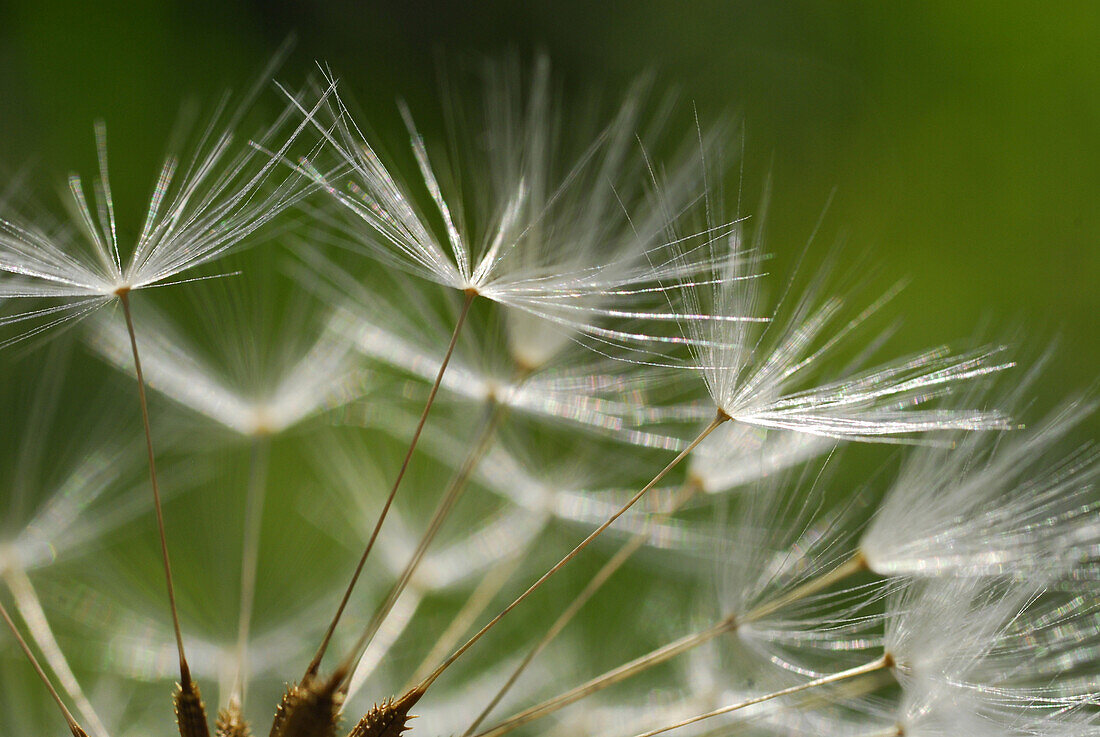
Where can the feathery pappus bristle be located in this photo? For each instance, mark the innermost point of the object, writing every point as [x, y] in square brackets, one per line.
[765, 375]
[202, 206]
[1005, 506]
[569, 249]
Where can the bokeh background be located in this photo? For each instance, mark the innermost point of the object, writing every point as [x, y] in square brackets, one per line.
[955, 144]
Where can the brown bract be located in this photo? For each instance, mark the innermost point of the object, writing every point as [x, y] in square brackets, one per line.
[388, 719]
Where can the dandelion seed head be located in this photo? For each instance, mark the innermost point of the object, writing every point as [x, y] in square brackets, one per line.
[972, 592]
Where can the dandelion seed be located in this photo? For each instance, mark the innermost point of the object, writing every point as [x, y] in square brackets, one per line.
[756, 376]
[219, 200]
[526, 362]
[1001, 507]
[565, 249]
[522, 255]
[319, 378]
[198, 211]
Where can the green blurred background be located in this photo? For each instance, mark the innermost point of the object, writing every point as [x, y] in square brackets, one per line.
[955, 142]
[960, 139]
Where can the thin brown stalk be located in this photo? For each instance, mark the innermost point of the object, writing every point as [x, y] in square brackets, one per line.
[876, 665]
[392, 628]
[495, 415]
[185, 671]
[718, 420]
[30, 609]
[486, 590]
[315, 664]
[850, 567]
[74, 727]
[805, 702]
[656, 657]
[688, 490]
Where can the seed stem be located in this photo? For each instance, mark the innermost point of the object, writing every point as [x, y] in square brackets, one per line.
[315, 664]
[495, 413]
[655, 657]
[688, 490]
[850, 567]
[30, 609]
[480, 598]
[185, 671]
[879, 664]
[74, 727]
[393, 626]
[718, 420]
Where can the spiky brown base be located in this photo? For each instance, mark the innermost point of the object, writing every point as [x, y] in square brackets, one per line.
[190, 711]
[388, 719]
[310, 709]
